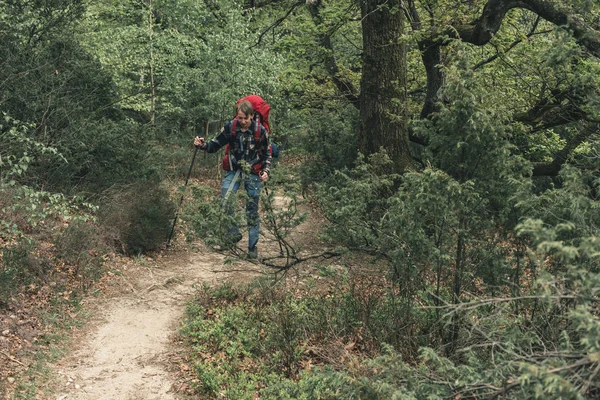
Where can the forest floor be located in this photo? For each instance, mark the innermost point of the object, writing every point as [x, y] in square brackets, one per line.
[127, 345]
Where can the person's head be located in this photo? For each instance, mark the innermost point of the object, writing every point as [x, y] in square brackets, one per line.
[244, 114]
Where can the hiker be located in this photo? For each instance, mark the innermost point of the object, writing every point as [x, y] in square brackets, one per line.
[248, 143]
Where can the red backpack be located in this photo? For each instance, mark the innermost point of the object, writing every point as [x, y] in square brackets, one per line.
[261, 118]
[261, 107]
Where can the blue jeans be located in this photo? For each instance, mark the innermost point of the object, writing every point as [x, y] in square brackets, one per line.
[252, 186]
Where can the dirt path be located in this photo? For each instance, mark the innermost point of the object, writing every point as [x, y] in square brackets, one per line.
[123, 352]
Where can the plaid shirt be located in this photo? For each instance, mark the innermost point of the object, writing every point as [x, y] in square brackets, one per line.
[244, 146]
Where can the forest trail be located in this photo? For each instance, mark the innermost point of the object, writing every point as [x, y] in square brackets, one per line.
[123, 351]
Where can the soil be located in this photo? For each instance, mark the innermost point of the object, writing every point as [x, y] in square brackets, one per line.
[127, 350]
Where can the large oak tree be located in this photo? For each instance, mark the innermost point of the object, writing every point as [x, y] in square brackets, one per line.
[383, 85]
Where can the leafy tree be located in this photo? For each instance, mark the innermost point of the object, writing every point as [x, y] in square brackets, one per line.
[183, 64]
[497, 27]
[52, 83]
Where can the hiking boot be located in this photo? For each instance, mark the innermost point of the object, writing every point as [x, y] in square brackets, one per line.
[253, 253]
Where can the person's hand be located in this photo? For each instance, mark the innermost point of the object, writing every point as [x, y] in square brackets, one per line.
[199, 142]
[263, 176]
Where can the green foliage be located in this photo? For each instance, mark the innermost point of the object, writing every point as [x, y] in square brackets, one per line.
[210, 220]
[445, 219]
[280, 213]
[571, 204]
[265, 334]
[469, 139]
[15, 148]
[494, 315]
[330, 143]
[61, 103]
[25, 210]
[250, 333]
[189, 50]
[356, 200]
[105, 154]
[25, 215]
[386, 377]
[465, 290]
[137, 217]
[223, 346]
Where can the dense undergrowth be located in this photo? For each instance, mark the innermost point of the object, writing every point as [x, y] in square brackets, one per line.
[412, 310]
[486, 284]
[345, 335]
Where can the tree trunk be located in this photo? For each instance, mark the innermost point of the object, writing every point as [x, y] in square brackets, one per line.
[452, 344]
[151, 66]
[152, 93]
[383, 82]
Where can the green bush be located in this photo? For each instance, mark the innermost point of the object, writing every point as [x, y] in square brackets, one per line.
[265, 334]
[330, 143]
[81, 245]
[137, 217]
[208, 218]
[104, 154]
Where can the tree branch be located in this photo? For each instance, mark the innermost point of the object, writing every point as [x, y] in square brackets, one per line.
[343, 85]
[297, 260]
[11, 358]
[510, 47]
[431, 57]
[561, 109]
[481, 31]
[553, 168]
[277, 22]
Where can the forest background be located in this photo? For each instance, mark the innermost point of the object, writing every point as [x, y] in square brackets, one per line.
[452, 146]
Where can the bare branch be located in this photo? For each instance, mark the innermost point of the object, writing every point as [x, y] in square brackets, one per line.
[344, 86]
[481, 31]
[297, 260]
[11, 358]
[277, 22]
[553, 168]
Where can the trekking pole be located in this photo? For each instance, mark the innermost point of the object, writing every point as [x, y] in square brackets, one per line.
[181, 200]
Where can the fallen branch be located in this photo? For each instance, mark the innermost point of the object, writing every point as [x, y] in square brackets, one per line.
[11, 358]
[297, 260]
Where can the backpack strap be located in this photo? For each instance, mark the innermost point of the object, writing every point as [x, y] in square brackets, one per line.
[234, 128]
[257, 129]
[233, 135]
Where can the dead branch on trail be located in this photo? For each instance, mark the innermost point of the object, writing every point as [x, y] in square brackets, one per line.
[295, 260]
[11, 358]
